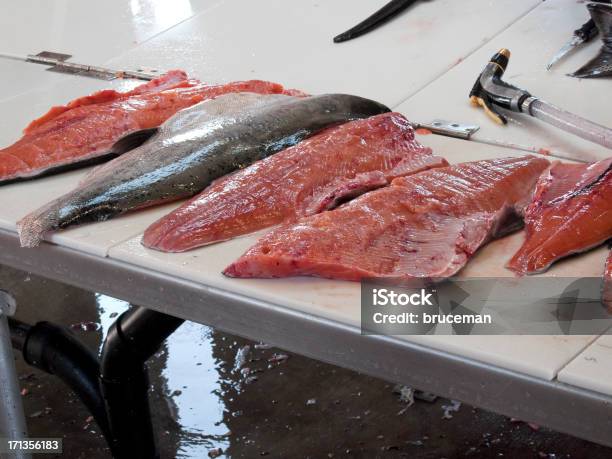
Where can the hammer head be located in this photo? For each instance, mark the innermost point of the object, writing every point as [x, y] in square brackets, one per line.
[490, 90]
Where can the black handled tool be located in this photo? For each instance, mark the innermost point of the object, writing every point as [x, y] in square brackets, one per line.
[491, 92]
[580, 36]
[585, 33]
[601, 64]
[387, 12]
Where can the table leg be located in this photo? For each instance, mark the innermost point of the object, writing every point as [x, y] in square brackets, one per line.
[114, 390]
[12, 419]
[131, 341]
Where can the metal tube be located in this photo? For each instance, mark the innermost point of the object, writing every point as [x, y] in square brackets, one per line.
[12, 419]
[131, 341]
[56, 351]
[571, 123]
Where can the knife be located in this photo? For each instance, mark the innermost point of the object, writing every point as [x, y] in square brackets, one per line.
[585, 33]
[387, 12]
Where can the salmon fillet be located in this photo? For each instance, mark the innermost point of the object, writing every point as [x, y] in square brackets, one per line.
[315, 175]
[571, 212]
[423, 226]
[85, 130]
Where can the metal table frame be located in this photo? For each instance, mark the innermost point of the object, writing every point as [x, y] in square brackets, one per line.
[560, 406]
[12, 419]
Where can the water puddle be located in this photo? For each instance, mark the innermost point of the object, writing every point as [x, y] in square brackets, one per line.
[189, 376]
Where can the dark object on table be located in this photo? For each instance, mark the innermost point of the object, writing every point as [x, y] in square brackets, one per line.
[600, 65]
[386, 13]
[585, 33]
[580, 36]
[490, 91]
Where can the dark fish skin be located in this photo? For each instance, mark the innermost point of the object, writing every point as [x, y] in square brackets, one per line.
[192, 149]
[123, 145]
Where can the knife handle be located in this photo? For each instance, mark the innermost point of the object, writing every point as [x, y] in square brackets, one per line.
[587, 31]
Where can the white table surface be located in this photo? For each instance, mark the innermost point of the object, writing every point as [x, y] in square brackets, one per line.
[92, 32]
[592, 368]
[406, 59]
[292, 43]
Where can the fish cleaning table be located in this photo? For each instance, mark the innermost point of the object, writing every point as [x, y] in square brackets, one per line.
[409, 65]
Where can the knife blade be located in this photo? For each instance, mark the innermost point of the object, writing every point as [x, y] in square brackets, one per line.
[585, 33]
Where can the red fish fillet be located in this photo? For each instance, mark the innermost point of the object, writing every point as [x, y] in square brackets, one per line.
[571, 212]
[86, 129]
[313, 176]
[423, 226]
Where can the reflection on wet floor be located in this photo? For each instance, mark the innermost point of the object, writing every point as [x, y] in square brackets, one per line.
[217, 395]
[196, 391]
[193, 395]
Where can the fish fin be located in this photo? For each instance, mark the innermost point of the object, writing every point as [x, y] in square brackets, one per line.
[124, 145]
[133, 140]
[599, 66]
[33, 226]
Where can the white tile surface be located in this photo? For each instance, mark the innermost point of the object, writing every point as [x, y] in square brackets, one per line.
[592, 368]
[17, 78]
[91, 31]
[98, 238]
[540, 356]
[19, 199]
[533, 40]
[292, 44]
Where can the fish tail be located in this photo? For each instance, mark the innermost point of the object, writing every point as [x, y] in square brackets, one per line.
[33, 226]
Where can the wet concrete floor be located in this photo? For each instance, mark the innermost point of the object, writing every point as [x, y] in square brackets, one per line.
[217, 395]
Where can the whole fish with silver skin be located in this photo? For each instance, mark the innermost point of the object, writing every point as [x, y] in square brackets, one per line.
[190, 150]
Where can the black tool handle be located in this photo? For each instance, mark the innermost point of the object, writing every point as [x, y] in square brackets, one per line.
[387, 12]
[587, 31]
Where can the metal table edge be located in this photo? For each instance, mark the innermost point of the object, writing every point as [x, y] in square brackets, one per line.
[562, 407]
